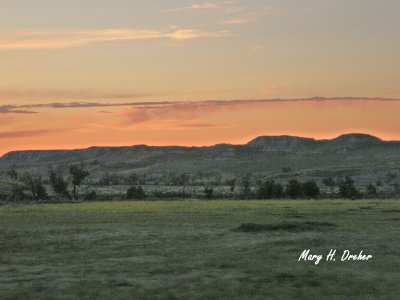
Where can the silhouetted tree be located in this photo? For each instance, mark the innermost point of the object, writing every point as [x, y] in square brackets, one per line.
[270, 190]
[135, 193]
[208, 192]
[78, 175]
[91, 196]
[371, 191]
[294, 189]
[286, 170]
[311, 189]
[133, 179]
[347, 188]
[245, 192]
[35, 186]
[58, 184]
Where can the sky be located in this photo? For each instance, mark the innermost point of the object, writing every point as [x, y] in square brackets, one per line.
[80, 73]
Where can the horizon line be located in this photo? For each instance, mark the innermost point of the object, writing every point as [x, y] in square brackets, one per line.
[201, 146]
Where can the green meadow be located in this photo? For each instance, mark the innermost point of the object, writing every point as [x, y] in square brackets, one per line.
[199, 250]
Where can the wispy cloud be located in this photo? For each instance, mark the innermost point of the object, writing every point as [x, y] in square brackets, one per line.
[27, 108]
[206, 105]
[187, 111]
[271, 89]
[11, 109]
[203, 6]
[207, 5]
[194, 6]
[237, 21]
[31, 39]
[23, 133]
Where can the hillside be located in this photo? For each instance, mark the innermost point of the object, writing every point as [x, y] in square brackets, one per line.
[266, 156]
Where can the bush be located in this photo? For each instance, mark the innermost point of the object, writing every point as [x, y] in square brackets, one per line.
[270, 190]
[245, 192]
[294, 189]
[35, 186]
[135, 193]
[311, 189]
[18, 193]
[91, 196]
[209, 193]
[347, 189]
[371, 191]
[58, 183]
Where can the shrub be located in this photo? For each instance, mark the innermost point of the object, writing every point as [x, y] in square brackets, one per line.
[208, 192]
[135, 193]
[270, 190]
[294, 189]
[91, 196]
[58, 183]
[78, 175]
[17, 193]
[35, 186]
[347, 189]
[371, 191]
[310, 189]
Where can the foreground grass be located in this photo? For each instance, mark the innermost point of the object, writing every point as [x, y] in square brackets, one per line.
[197, 250]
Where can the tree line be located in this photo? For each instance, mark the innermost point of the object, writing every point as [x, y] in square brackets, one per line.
[29, 187]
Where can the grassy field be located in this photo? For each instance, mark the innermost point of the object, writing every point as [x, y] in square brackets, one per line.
[199, 250]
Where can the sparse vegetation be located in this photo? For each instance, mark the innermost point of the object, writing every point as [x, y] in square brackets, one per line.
[189, 250]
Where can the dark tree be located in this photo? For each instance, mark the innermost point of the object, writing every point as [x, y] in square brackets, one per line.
[18, 193]
[371, 191]
[135, 193]
[133, 179]
[58, 184]
[245, 192]
[78, 175]
[270, 190]
[311, 189]
[200, 175]
[347, 188]
[329, 182]
[232, 184]
[396, 187]
[208, 193]
[294, 189]
[91, 196]
[287, 170]
[13, 174]
[35, 186]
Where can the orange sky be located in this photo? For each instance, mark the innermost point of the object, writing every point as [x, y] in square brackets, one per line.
[193, 123]
[79, 73]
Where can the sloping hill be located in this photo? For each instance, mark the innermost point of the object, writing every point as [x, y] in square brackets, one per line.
[270, 156]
